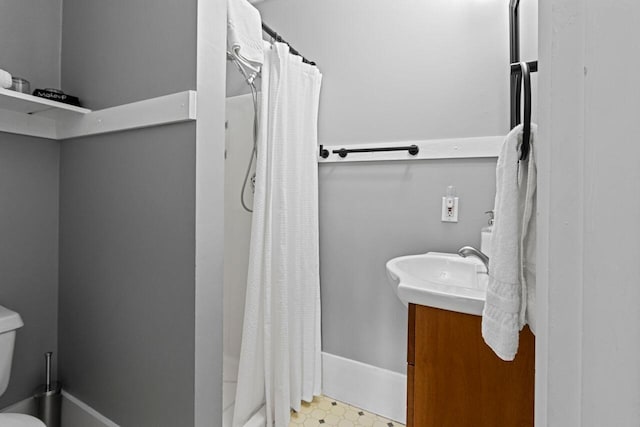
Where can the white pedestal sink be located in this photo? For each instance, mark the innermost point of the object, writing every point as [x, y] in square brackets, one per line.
[440, 280]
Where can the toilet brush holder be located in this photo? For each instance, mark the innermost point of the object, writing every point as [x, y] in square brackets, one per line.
[48, 397]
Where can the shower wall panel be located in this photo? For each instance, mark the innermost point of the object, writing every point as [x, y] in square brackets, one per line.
[239, 144]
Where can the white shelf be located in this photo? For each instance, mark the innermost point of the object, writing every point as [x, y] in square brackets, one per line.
[29, 104]
[453, 148]
[29, 115]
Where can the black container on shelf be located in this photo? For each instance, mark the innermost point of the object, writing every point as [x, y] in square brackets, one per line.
[56, 95]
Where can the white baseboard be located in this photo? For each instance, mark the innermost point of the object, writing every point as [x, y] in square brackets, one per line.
[76, 413]
[26, 406]
[373, 389]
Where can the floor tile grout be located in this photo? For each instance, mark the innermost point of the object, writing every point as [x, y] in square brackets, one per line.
[324, 411]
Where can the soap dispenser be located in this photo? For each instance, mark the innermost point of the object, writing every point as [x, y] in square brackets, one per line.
[485, 236]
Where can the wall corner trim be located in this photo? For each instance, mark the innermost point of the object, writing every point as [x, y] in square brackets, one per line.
[76, 413]
[59, 124]
[174, 108]
[27, 124]
[25, 406]
[430, 149]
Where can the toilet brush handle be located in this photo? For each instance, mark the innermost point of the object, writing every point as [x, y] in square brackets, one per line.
[47, 369]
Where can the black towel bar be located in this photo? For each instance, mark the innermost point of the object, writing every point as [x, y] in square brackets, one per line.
[343, 152]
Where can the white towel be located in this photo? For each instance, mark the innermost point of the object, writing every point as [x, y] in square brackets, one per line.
[5, 79]
[244, 33]
[511, 289]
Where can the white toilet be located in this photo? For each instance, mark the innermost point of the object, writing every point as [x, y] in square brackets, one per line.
[10, 321]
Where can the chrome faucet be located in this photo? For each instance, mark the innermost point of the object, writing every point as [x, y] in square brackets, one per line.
[466, 251]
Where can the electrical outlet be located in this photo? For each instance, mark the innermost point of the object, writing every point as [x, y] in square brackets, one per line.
[449, 209]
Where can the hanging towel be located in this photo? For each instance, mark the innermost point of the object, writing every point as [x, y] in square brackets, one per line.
[511, 290]
[244, 33]
[5, 79]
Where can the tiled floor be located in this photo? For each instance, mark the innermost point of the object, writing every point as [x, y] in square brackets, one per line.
[324, 411]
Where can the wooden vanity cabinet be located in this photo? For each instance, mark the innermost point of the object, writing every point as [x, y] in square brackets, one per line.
[455, 380]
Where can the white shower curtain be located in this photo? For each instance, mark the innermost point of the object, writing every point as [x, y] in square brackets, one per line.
[280, 357]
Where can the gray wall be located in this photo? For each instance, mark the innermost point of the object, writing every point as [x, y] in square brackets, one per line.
[30, 35]
[404, 69]
[372, 212]
[30, 48]
[120, 51]
[29, 253]
[396, 71]
[127, 207]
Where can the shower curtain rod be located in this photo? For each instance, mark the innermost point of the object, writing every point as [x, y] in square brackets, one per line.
[277, 38]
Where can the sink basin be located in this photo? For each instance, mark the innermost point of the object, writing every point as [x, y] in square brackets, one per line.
[440, 280]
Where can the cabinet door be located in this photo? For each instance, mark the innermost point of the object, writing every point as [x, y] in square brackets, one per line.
[411, 356]
[459, 382]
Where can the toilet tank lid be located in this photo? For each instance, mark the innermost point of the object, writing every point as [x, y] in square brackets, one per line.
[9, 320]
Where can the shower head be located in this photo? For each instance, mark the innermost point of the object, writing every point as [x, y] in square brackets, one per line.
[249, 78]
[252, 77]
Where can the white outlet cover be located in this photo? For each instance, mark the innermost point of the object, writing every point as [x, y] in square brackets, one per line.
[450, 216]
